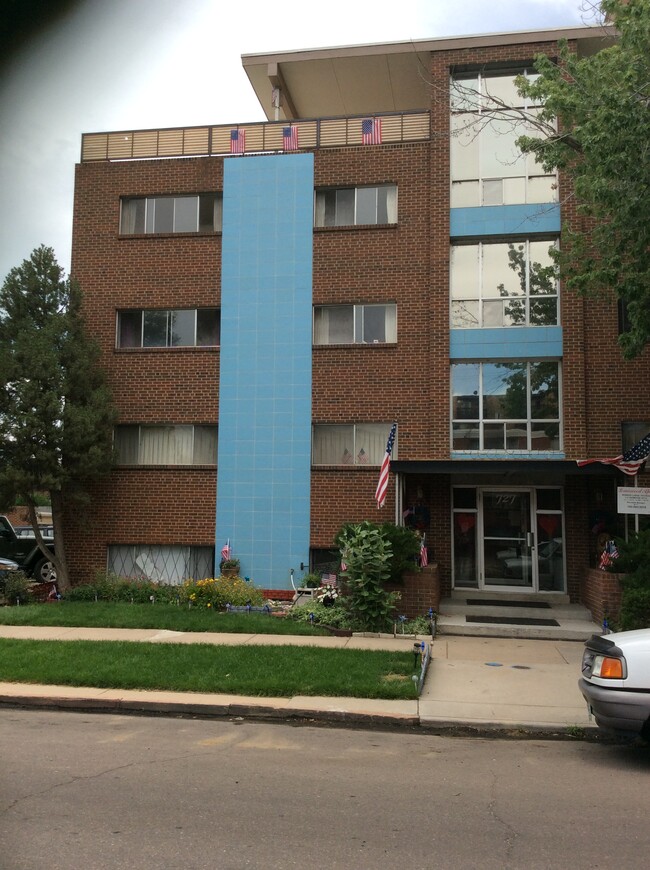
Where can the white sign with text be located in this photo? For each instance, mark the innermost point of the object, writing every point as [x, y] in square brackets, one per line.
[633, 499]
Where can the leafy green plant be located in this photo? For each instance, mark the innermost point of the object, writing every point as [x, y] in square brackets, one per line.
[404, 544]
[367, 554]
[16, 588]
[337, 616]
[634, 563]
[311, 581]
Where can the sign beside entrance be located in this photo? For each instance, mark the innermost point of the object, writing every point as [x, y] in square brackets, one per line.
[633, 499]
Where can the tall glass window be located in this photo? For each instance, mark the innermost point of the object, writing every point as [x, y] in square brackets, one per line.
[506, 407]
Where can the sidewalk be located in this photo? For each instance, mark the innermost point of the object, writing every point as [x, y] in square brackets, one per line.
[479, 684]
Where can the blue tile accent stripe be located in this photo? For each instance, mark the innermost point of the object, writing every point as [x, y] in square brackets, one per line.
[514, 342]
[264, 461]
[503, 220]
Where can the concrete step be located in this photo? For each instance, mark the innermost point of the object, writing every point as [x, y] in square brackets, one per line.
[578, 630]
[514, 595]
[574, 612]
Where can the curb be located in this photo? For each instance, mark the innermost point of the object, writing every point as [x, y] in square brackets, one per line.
[305, 715]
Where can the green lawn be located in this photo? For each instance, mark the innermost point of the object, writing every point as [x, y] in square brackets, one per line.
[108, 614]
[240, 670]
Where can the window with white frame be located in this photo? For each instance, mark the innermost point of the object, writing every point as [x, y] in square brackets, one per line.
[200, 213]
[506, 406]
[503, 284]
[165, 445]
[184, 327]
[350, 444]
[355, 324]
[171, 565]
[487, 167]
[350, 206]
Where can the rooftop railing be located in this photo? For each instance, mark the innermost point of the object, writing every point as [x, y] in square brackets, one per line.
[251, 138]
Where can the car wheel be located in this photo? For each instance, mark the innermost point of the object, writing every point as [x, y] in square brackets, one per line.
[44, 571]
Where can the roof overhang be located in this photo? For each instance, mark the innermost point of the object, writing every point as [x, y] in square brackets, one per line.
[380, 77]
[503, 467]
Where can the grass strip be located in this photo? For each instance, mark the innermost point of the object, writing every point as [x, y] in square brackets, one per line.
[117, 614]
[241, 670]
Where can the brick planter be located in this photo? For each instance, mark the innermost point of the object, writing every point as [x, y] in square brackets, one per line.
[420, 591]
[601, 594]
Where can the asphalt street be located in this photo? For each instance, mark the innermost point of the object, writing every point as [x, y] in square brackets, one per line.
[102, 792]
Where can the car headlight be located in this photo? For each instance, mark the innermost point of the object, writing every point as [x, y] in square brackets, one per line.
[609, 668]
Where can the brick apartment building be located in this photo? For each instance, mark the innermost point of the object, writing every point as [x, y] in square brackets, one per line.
[367, 255]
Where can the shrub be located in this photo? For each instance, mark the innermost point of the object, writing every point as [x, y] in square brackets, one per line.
[404, 545]
[367, 554]
[310, 581]
[216, 592]
[635, 609]
[634, 562]
[16, 588]
[337, 616]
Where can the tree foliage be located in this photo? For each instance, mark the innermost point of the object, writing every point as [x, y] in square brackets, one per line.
[602, 106]
[56, 413]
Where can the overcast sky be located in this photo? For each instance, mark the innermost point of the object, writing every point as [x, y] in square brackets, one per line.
[131, 64]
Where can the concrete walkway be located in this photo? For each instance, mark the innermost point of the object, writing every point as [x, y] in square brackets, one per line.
[481, 684]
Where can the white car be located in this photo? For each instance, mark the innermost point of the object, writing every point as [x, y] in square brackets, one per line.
[615, 681]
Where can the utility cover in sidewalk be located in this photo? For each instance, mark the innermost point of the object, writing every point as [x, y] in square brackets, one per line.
[511, 620]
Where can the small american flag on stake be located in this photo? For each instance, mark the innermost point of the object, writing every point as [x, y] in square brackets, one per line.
[382, 485]
[290, 138]
[371, 131]
[225, 550]
[237, 141]
[424, 556]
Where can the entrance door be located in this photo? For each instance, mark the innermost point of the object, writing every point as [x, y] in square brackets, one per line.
[507, 539]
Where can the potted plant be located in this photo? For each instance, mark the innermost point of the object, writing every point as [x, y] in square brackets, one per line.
[230, 567]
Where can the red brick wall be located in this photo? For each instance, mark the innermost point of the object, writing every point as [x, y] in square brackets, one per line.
[601, 593]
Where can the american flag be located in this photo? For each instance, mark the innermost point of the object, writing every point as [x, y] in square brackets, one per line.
[629, 462]
[608, 555]
[424, 556]
[371, 131]
[237, 141]
[362, 456]
[225, 550]
[347, 457]
[382, 485]
[290, 138]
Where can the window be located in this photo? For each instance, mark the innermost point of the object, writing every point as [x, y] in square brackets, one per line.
[166, 445]
[350, 206]
[506, 406]
[171, 214]
[192, 327]
[350, 444]
[633, 432]
[355, 324]
[503, 284]
[487, 168]
[170, 565]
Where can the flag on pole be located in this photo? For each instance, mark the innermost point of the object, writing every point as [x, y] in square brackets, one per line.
[629, 462]
[382, 485]
[609, 554]
[225, 550]
[290, 138]
[237, 141]
[424, 556]
[371, 131]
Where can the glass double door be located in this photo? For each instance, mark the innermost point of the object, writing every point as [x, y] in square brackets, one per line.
[508, 539]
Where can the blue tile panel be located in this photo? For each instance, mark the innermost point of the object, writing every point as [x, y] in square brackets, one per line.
[264, 462]
[504, 220]
[513, 342]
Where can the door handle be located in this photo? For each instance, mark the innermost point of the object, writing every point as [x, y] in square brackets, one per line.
[529, 540]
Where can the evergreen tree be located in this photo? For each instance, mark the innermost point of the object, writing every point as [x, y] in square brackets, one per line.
[56, 413]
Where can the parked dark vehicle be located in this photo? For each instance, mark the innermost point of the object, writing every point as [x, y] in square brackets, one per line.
[615, 681]
[22, 549]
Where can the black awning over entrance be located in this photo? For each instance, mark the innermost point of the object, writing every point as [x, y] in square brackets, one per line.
[505, 467]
